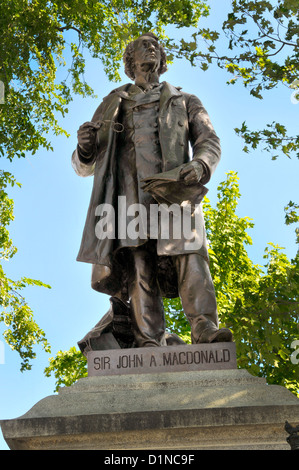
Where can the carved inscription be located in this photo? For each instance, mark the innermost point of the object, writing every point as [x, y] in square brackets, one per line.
[101, 363]
[171, 359]
[130, 361]
[196, 357]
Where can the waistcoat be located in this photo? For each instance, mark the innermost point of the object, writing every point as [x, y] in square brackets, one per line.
[139, 155]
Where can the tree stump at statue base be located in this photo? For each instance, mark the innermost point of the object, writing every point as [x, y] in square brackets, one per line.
[182, 409]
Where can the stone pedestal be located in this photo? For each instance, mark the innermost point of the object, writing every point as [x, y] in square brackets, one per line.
[198, 409]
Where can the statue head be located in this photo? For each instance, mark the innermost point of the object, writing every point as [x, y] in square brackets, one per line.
[148, 49]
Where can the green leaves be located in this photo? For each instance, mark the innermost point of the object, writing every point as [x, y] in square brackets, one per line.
[264, 60]
[22, 332]
[176, 320]
[34, 42]
[259, 304]
[259, 47]
[263, 36]
[274, 139]
[7, 250]
[67, 367]
[180, 12]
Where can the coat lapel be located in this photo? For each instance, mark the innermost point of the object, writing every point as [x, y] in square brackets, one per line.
[168, 92]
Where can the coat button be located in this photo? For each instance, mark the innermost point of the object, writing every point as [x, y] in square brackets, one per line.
[181, 124]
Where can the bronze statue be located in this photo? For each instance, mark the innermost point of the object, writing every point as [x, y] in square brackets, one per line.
[137, 148]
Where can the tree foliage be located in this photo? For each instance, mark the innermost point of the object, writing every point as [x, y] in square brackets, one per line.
[259, 46]
[67, 367]
[35, 41]
[22, 331]
[259, 303]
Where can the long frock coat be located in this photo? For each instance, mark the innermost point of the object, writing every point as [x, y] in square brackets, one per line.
[183, 123]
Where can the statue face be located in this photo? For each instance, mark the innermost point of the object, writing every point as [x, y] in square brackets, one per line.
[147, 52]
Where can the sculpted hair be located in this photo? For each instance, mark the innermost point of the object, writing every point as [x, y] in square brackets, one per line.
[128, 58]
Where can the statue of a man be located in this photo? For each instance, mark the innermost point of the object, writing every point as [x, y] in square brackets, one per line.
[142, 130]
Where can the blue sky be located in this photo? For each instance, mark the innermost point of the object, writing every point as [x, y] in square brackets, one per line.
[50, 212]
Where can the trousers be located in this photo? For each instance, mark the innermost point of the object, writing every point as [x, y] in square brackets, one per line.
[196, 290]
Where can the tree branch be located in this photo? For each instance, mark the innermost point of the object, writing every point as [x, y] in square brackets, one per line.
[67, 28]
[270, 37]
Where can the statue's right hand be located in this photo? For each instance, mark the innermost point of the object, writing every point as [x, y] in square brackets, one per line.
[87, 137]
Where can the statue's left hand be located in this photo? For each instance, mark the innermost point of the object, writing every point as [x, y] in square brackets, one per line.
[192, 172]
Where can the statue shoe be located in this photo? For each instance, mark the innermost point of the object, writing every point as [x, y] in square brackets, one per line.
[213, 335]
